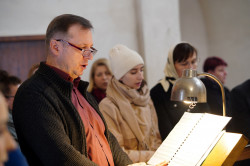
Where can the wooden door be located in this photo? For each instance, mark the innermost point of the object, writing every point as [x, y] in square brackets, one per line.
[18, 54]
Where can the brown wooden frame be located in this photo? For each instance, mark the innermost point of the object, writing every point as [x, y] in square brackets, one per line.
[19, 53]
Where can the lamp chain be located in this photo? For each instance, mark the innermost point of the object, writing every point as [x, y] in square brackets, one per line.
[192, 105]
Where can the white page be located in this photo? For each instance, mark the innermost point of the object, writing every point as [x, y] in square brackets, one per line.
[175, 138]
[190, 152]
[210, 148]
[200, 140]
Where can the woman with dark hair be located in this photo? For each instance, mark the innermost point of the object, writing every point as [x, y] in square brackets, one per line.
[9, 86]
[10, 153]
[217, 67]
[99, 77]
[182, 56]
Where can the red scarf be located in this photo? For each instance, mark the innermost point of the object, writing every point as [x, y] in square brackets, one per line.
[98, 94]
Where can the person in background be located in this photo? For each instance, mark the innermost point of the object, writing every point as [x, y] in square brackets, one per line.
[33, 69]
[182, 56]
[3, 75]
[10, 154]
[128, 108]
[217, 67]
[58, 123]
[239, 110]
[13, 83]
[10, 86]
[100, 75]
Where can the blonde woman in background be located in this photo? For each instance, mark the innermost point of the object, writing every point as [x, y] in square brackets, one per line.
[33, 69]
[100, 75]
[128, 109]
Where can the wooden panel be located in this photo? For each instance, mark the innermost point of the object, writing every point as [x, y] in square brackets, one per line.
[245, 155]
[21, 38]
[227, 150]
[18, 54]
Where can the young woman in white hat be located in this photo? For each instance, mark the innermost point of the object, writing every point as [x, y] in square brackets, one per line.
[128, 108]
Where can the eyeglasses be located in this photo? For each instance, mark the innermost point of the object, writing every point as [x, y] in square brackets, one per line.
[9, 97]
[85, 52]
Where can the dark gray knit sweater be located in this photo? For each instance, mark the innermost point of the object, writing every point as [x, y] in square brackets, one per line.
[49, 128]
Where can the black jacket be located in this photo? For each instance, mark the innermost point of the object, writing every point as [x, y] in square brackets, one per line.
[169, 112]
[240, 112]
[49, 128]
[240, 109]
[214, 96]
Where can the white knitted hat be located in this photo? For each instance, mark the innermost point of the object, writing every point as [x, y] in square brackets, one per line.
[123, 59]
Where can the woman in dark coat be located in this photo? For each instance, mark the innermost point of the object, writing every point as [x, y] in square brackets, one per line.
[182, 56]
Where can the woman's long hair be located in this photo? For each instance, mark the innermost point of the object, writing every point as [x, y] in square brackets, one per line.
[98, 62]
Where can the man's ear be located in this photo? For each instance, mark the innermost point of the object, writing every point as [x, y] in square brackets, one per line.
[54, 47]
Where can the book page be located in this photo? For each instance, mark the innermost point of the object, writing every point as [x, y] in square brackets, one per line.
[190, 139]
[175, 138]
[211, 147]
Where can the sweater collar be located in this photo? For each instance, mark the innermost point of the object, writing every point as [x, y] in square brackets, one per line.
[64, 85]
[61, 73]
[66, 76]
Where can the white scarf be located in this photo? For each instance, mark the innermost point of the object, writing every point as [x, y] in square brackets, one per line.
[169, 71]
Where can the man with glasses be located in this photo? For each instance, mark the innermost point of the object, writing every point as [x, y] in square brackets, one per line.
[57, 121]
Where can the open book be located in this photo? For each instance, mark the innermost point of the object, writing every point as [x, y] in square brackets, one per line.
[191, 140]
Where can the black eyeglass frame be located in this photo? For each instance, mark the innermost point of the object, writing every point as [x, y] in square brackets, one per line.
[85, 52]
[8, 97]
